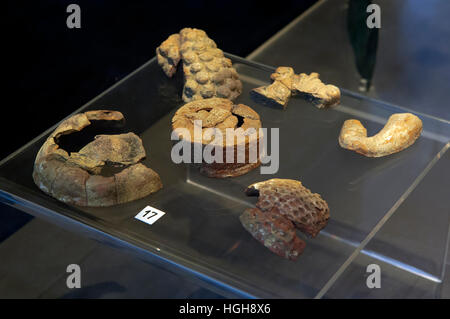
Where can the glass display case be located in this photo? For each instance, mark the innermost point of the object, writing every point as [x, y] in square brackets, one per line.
[200, 234]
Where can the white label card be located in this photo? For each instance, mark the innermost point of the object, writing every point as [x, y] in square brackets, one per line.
[149, 215]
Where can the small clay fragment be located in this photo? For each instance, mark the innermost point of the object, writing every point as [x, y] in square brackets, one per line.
[69, 185]
[308, 211]
[287, 83]
[76, 178]
[121, 149]
[274, 231]
[101, 191]
[222, 116]
[400, 132]
[207, 72]
[276, 93]
[168, 54]
[135, 182]
[322, 95]
[284, 75]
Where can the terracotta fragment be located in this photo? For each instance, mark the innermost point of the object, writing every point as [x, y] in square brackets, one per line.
[284, 75]
[101, 191]
[308, 211]
[275, 93]
[221, 114]
[114, 117]
[286, 84]
[91, 165]
[45, 171]
[400, 132]
[75, 178]
[135, 182]
[122, 149]
[274, 231]
[322, 95]
[69, 185]
[168, 54]
[207, 72]
[227, 170]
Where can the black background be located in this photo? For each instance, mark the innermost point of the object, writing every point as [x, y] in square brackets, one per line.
[52, 70]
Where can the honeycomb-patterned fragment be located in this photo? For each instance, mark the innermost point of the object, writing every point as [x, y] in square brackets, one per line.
[308, 211]
[208, 73]
[274, 231]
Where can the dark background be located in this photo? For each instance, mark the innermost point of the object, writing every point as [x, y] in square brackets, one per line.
[52, 70]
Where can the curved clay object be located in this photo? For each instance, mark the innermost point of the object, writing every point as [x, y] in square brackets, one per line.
[287, 83]
[400, 131]
[207, 72]
[274, 231]
[289, 198]
[76, 179]
[221, 114]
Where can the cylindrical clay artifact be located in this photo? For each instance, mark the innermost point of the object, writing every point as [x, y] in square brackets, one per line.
[236, 125]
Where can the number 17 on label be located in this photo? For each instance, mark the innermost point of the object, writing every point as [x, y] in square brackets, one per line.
[149, 215]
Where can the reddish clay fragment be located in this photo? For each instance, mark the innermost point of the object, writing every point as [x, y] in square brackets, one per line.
[76, 178]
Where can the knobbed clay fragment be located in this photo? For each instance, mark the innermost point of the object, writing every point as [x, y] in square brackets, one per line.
[400, 132]
[75, 178]
[274, 231]
[168, 54]
[308, 211]
[221, 114]
[207, 72]
[286, 84]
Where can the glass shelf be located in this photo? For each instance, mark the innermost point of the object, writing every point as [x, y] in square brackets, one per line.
[201, 235]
